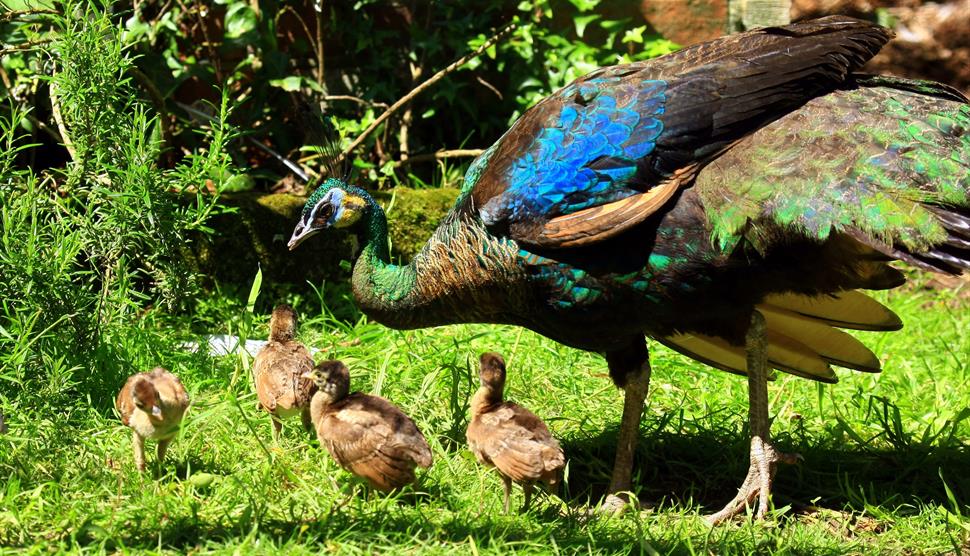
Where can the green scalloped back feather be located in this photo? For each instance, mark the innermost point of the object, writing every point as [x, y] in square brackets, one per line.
[866, 159]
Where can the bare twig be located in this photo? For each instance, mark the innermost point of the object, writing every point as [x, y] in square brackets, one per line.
[361, 101]
[11, 15]
[420, 88]
[29, 45]
[406, 118]
[197, 114]
[439, 155]
[59, 119]
[489, 86]
[318, 10]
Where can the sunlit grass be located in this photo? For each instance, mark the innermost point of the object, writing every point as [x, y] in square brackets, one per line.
[885, 470]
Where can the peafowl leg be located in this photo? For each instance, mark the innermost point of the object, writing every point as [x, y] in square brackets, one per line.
[507, 484]
[527, 490]
[634, 366]
[764, 456]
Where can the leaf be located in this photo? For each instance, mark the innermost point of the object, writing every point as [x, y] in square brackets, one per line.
[238, 182]
[584, 5]
[634, 35]
[581, 21]
[289, 84]
[254, 290]
[240, 19]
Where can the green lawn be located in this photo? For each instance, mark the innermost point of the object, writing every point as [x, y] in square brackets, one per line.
[886, 468]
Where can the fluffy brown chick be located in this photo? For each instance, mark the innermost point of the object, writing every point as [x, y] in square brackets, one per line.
[152, 405]
[367, 435]
[278, 372]
[510, 437]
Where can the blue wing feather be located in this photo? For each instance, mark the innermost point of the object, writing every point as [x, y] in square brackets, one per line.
[587, 153]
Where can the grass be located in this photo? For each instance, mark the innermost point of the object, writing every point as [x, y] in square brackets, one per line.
[885, 467]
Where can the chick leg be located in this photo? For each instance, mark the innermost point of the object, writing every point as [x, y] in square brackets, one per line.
[307, 421]
[277, 428]
[162, 448]
[527, 489]
[138, 445]
[633, 365]
[507, 483]
[764, 456]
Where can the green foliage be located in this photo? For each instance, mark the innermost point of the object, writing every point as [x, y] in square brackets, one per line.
[356, 58]
[88, 248]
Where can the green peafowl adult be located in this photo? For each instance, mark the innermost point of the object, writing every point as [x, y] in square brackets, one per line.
[728, 200]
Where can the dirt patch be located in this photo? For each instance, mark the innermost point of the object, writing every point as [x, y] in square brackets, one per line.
[932, 39]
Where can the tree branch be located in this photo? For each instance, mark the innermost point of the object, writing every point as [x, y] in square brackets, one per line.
[29, 45]
[420, 88]
[11, 15]
[439, 155]
[361, 101]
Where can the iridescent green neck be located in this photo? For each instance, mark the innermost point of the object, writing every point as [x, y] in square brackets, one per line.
[384, 291]
[449, 281]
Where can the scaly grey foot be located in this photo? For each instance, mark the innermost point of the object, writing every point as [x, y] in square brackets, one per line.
[757, 484]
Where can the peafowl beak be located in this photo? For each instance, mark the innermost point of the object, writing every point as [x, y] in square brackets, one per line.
[302, 231]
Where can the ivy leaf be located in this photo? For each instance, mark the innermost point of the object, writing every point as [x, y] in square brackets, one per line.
[584, 5]
[581, 21]
[294, 83]
[289, 84]
[240, 19]
[634, 35]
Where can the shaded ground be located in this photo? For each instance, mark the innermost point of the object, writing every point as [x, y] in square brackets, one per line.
[932, 39]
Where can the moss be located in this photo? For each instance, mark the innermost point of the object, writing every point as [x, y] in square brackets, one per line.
[414, 216]
[255, 231]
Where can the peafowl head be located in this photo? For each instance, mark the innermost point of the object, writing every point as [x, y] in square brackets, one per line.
[332, 379]
[492, 372]
[334, 204]
[283, 323]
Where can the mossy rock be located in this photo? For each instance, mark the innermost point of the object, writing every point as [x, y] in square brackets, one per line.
[254, 234]
[414, 215]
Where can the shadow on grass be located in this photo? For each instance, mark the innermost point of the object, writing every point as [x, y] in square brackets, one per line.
[379, 529]
[707, 465]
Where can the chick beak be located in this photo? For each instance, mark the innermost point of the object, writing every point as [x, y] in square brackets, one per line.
[156, 412]
[300, 234]
[307, 375]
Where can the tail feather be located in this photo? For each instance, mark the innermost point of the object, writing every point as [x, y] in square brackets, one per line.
[849, 309]
[784, 353]
[802, 338]
[831, 344]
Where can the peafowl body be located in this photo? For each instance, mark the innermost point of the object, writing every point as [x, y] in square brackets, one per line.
[685, 198]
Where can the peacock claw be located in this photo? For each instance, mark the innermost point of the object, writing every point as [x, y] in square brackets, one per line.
[757, 484]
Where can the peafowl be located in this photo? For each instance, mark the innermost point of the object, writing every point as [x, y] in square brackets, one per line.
[509, 437]
[728, 200]
[367, 435]
[277, 372]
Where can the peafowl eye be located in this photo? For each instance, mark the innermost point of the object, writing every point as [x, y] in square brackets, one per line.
[729, 200]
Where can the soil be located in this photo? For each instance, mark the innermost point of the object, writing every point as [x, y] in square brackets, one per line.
[932, 39]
